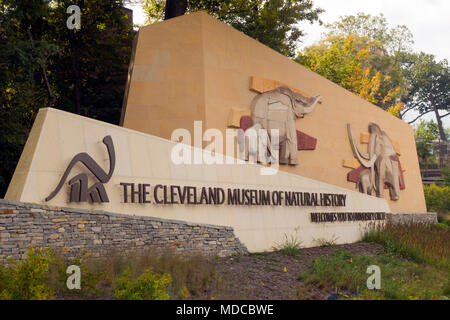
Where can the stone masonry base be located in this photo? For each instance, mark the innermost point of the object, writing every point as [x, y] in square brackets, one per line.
[430, 217]
[72, 232]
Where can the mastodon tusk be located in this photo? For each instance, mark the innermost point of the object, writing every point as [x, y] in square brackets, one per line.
[356, 151]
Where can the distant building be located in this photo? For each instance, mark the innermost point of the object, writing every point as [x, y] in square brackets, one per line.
[445, 147]
[431, 176]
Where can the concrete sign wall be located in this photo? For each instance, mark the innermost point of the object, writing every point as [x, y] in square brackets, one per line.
[195, 67]
[73, 161]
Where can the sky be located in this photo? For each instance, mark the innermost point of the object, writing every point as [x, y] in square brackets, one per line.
[428, 20]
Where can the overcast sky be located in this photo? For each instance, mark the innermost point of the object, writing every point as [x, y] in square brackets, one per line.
[428, 20]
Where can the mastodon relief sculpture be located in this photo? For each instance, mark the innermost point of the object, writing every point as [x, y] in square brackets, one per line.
[380, 166]
[276, 111]
[79, 190]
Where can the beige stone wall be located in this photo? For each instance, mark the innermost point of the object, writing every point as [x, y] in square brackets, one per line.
[196, 68]
[57, 136]
[167, 70]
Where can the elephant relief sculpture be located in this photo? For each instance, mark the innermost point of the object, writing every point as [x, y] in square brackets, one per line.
[381, 164]
[278, 109]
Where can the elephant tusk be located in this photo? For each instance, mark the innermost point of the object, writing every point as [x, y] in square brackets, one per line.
[354, 146]
[357, 152]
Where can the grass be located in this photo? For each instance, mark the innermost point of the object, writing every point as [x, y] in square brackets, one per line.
[323, 242]
[291, 246]
[419, 242]
[195, 274]
[415, 265]
[400, 279]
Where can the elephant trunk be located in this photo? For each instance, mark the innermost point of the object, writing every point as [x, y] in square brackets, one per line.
[312, 103]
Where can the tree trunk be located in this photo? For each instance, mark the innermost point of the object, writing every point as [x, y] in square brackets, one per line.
[442, 137]
[51, 97]
[175, 8]
[441, 127]
[75, 58]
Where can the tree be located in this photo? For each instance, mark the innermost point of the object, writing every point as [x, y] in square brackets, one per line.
[272, 22]
[24, 86]
[346, 60]
[430, 92]
[372, 47]
[90, 71]
[396, 40]
[429, 82]
[425, 133]
[446, 176]
[44, 63]
[174, 8]
[415, 81]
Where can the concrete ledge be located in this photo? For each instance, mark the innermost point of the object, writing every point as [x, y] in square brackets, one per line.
[429, 217]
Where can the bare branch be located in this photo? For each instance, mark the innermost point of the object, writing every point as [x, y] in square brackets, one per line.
[419, 116]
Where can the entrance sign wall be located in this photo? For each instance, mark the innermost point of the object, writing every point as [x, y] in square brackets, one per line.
[73, 161]
[195, 67]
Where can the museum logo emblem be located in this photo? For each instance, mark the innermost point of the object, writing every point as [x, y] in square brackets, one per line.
[79, 190]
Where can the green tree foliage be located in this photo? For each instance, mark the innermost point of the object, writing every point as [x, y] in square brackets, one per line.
[22, 89]
[429, 82]
[446, 175]
[396, 40]
[43, 63]
[437, 198]
[347, 61]
[272, 22]
[425, 133]
[90, 71]
[154, 10]
[362, 54]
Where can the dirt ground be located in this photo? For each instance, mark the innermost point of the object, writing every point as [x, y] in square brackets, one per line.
[259, 276]
[262, 276]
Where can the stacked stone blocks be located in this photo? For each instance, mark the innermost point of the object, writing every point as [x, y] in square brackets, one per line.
[74, 232]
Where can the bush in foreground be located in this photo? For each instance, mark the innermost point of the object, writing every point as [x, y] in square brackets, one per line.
[27, 279]
[148, 286]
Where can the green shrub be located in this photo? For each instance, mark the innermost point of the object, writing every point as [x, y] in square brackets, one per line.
[27, 279]
[323, 242]
[437, 198]
[5, 284]
[290, 246]
[148, 286]
[442, 225]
